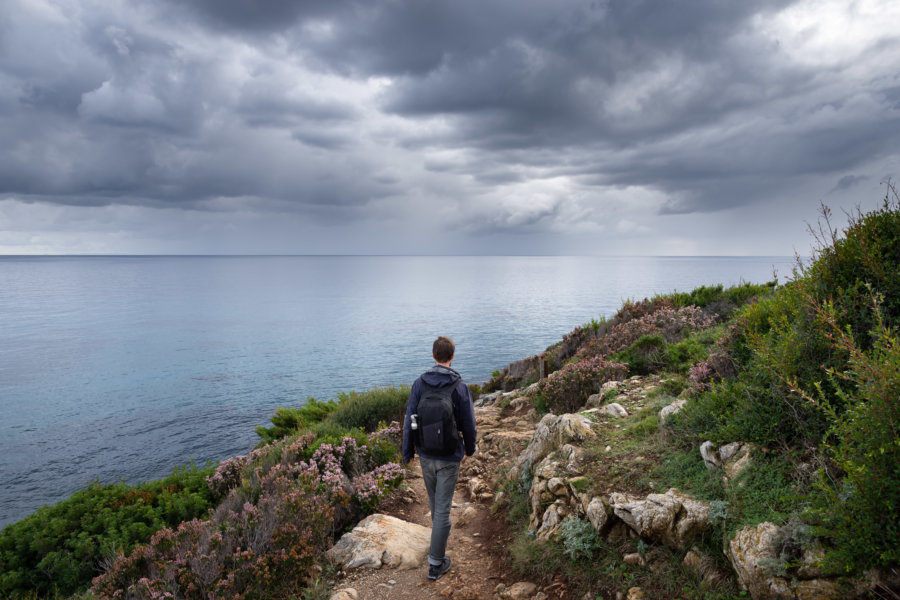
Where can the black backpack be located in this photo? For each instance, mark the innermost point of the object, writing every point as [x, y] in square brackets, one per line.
[438, 434]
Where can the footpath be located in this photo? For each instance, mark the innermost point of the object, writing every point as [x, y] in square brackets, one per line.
[478, 538]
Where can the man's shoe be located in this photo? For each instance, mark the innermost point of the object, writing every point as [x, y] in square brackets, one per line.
[436, 571]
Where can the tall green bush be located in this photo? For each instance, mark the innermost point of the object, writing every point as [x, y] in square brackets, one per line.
[859, 508]
[367, 409]
[59, 548]
[289, 420]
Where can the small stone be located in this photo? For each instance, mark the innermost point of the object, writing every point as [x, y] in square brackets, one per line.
[635, 559]
[522, 590]
[615, 410]
[392, 582]
[635, 593]
[447, 592]
[468, 514]
[345, 594]
[608, 449]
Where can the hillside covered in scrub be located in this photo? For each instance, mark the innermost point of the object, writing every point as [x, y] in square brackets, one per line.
[750, 431]
[711, 444]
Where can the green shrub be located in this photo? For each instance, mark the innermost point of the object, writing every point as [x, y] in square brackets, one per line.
[647, 355]
[367, 409]
[579, 538]
[860, 512]
[781, 344]
[61, 547]
[733, 297]
[774, 340]
[568, 389]
[865, 261]
[288, 420]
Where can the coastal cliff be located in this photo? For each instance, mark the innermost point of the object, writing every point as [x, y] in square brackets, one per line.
[711, 444]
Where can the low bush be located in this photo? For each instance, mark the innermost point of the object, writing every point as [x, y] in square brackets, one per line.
[367, 409]
[289, 420]
[264, 538]
[671, 324]
[568, 389]
[725, 300]
[579, 538]
[647, 355]
[59, 548]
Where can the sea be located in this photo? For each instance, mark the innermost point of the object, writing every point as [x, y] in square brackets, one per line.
[120, 368]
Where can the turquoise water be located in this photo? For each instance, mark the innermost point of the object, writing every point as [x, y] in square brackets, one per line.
[122, 367]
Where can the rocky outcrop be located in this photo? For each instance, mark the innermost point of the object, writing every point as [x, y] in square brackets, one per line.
[382, 541]
[552, 432]
[754, 555]
[671, 518]
[731, 458]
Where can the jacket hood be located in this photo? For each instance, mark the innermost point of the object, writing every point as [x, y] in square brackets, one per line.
[440, 375]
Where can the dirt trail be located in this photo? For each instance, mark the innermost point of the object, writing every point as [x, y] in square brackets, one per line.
[475, 547]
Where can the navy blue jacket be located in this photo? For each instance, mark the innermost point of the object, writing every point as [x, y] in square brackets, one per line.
[464, 413]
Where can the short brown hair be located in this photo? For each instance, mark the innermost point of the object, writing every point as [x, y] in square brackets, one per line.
[443, 349]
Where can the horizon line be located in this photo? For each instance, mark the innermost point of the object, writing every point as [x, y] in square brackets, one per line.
[152, 255]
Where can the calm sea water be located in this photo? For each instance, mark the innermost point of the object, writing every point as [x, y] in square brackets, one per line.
[118, 368]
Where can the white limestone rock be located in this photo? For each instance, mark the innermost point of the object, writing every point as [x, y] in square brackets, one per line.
[671, 518]
[672, 409]
[598, 513]
[382, 541]
[552, 432]
[731, 458]
[614, 409]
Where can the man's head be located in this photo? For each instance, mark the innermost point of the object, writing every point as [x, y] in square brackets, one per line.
[443, 350]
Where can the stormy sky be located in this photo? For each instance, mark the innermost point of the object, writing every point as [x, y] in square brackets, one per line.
[620, 127]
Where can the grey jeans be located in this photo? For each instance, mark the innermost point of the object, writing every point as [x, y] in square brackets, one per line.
[440, 480]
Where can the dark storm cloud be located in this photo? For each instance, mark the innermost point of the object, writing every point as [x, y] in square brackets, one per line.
[572, 74]
[848, 181]
[325, 107]
[254, 15]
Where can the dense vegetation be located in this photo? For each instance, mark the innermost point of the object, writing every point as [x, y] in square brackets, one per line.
[60, 548]
[808, 371]
[252, 527]
[813, 372]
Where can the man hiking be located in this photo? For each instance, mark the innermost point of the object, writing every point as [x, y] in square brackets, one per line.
[440, 426]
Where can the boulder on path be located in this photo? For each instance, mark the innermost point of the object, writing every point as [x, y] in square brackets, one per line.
[382, 541]
[670, 518]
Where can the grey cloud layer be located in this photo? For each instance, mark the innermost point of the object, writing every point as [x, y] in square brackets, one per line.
[329, 107]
